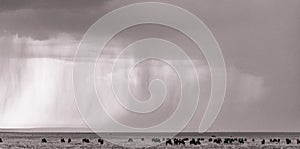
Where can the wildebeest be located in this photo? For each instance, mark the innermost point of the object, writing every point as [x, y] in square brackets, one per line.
[1, 140]
[44, 140]
[157, 140]
[130, 140]
[142, 139]
[100, 140]
[195, 142]
[69, 140]
[180, 141]
[210, 139]
[288, 141]
[169, 142]
[263, 141]
[227, 141]
[253, 139]
[218, 140]
[85, 140]
[184, 140]
[62, 140]
[241, 140]
[298, 141]
[275, 140]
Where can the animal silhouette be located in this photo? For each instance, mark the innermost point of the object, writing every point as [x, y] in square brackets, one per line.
[169, 142]
[241, 140]
[195, 142]
[130, 140]
[218, 140]
[85, 140]
[180, 141]
[44, 140]
[100, 140]
[62, 140]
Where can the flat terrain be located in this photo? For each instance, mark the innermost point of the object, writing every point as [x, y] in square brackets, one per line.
[33, 140]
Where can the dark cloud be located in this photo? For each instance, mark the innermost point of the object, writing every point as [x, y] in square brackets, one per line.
[44, 19]
[12, 5]
[43, 24]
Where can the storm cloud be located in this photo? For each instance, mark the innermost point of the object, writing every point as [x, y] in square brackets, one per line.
[259, 41]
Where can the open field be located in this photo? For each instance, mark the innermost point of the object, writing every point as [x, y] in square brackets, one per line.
[33, 140]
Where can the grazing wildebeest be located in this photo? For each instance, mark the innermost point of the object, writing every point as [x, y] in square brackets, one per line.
[85, 140]
[180, 141]
[298, 141]
[201, 139]
[1, 140]
[253, 140]
[218, 140]
[194, 142]
[227, 141]
[69, 140]
[156, 140]
[288, 141]
[130, 140]
[241, 140]
[210, 139]
[176, 141]
[263, 141]
[275, 140]
[100, 140]
[62, 140]
[184, 140]
[169, 142]
[44, 140]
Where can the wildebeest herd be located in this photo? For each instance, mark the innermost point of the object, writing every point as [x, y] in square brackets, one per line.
[62, 140]
[184, 141]
[225, 141]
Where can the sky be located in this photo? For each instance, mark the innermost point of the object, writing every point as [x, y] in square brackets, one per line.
[259, 41]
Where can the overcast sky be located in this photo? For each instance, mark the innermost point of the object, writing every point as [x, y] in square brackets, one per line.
[259, 41]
